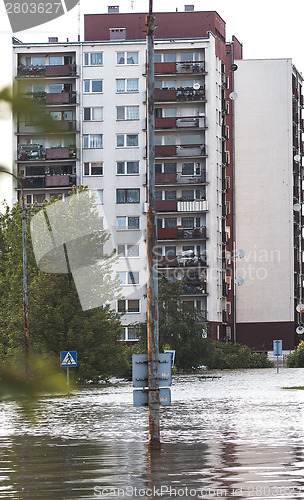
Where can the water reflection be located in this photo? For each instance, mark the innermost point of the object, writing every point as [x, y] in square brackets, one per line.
[240, 436]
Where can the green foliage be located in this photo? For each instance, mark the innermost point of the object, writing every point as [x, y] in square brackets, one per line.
[230, 356]
[56, 319]
[181, 328]
[296, 358]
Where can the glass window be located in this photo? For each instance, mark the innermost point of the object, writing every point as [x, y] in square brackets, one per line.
[127, 195]
[170, 250]
[188, 194]
[127, 222]
[132, 140]
[127, 112]
[191, 139]
[127, 57]
[188, 222]
[170, 140]
[170, 168]
[170, 57]
[96, 59]
[56, 88]
[133, 222]
[133, 306]
[133, 250]
[93, 141]
[169, 112]
[56, 60]
[93, 114]
[91, 86]
[170, 222]
[132, 85]
[38, 61]
[158, 195]
[132, 167]
[133, 278]
[187, 168]
[93, 168]
[170, 195]
[120, 140]
[122, 276]
[189, 56]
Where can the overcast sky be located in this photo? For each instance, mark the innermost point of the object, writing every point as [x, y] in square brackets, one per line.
[267, 29]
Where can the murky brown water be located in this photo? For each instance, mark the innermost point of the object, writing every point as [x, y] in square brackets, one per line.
[240, 436]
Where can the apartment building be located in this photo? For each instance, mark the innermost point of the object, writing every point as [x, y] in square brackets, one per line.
[269, 197]
[97, 88]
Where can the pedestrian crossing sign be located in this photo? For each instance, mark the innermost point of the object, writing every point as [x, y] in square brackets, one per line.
[68, 359]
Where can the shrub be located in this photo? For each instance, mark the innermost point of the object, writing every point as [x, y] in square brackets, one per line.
[230, 356]
[296, 358]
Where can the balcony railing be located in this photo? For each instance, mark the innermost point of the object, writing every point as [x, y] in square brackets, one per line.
[192, 206]
[166, 205]
[165, 178]
[180, 94]
[182, 122]
[188, 150]
[195, 179]
[35, 127]
[39, 71]
[60, 180]
[181, 261]
[35, 152]
[62, 98]
[195, 288]
[182, 233]
[180, 67]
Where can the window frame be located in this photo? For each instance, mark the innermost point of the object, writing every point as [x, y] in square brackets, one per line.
[127, 195]
[90, 81]
[125, 58]
[89, 165]
[91, 119]
[88, 56]
[127, 226]
[125, 141]
[90, 136]
[125, 167]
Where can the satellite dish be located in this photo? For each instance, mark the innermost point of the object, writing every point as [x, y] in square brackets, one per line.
[233, 96]
[234, 67]
[239, 281]
[297, 207]
[300, 308]
[240, 254]
[297, 158]
[196, 86]
[300, 329]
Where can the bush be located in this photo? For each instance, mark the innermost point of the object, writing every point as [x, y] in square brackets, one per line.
[296, 358]
[230, 356]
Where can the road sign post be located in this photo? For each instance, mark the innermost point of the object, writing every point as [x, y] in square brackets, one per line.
[68, 359]
[277, 351]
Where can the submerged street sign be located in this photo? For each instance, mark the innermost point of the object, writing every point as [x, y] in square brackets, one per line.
[68, 359]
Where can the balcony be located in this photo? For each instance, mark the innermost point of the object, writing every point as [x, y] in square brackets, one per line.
[189, 94]
[180, 94]
[184, 67]
[166, 205]
[191, 150]
[60, 153]
[190, 288]
[166, 178]
[181, 261]
[195, 233]
[35, 127]
[192, 206]
[62, 98]
[194, 179]
[185, 122]
[35, 152]
[166, 150]
[60, 180]
[188, 150]
[182, 233]
[46, 71]
[167, 233]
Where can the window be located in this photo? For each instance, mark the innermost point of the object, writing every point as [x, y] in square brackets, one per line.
[56, 88]
[127, 167]
[191, 139]
[128, 277]
[127, 57]
[191, 169]
[56, 61]
[35, 61]
[127, 112]
[91, 86]
[128, 306]
[93, 59]
[93, 114]
[170, 251]
[189, 83]
[128, 250]
[170, 195]
[189, 56]
[170, 222]
[128, 223]
[127, 85]
[93, 168]
[167, 140]
[127, 195]
[129, 333]
[126, 140]
[92, 141]
[188, 222]
[166, 57]
[98, 198]
[167, 168]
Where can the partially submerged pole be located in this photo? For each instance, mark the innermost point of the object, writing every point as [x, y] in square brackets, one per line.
[152, 281]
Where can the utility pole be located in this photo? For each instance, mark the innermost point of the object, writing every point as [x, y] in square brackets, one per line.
[152, 281]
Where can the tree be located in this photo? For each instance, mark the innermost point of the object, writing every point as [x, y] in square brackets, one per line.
[57, 321]
[180, 326]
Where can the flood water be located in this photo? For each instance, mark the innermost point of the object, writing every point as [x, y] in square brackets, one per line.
[239, 436]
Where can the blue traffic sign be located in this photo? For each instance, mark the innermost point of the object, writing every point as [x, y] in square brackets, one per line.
[68, 359]
[277, 348]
